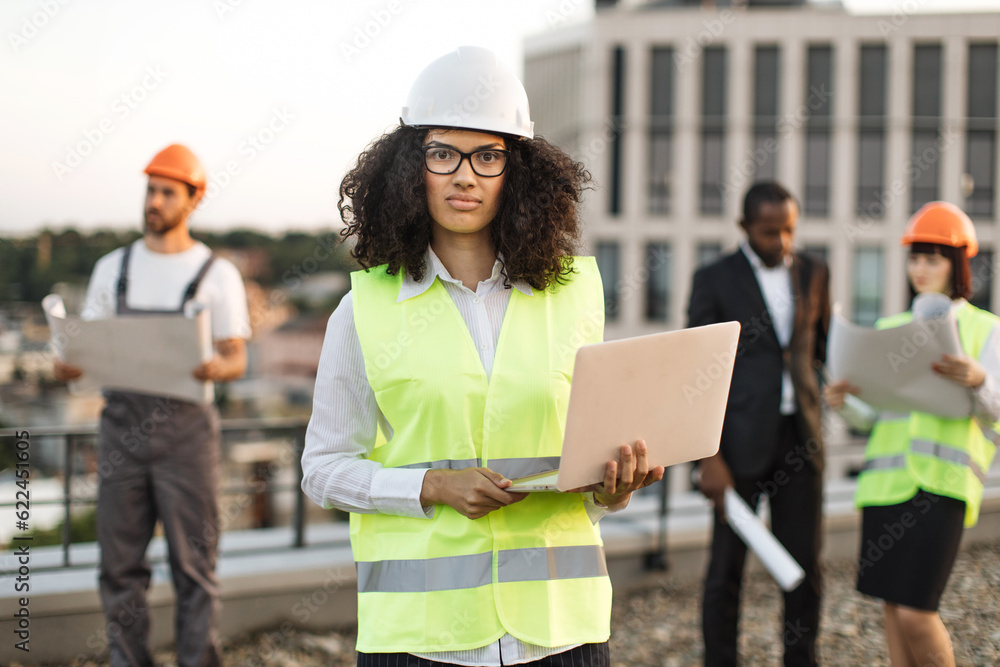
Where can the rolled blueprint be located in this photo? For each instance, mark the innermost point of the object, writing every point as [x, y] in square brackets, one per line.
[759, 539]
[933, 306]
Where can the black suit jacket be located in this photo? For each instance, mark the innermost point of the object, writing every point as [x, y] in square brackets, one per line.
[728, 290]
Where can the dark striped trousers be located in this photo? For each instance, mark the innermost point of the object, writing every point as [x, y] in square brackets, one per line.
[587, 655]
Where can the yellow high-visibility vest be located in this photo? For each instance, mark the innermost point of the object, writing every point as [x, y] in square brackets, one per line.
[949, 457]
[534, 569]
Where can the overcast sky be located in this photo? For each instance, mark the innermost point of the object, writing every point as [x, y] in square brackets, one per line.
[276, 98]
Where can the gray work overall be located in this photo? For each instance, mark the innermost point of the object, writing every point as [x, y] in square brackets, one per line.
[163, 458]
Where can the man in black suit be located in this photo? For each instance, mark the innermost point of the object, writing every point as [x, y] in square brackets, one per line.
[771, 441]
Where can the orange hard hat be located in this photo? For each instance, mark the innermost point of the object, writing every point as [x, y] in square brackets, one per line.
[179, 163]
[942, 223]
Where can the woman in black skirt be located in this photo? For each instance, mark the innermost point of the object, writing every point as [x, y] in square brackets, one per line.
[922, 480]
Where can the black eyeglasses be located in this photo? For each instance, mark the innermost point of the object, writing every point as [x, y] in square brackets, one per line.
[486, 162]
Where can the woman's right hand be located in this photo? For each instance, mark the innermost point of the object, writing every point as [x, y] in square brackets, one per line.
[472, 492]
[713, 479]
[834, 393]
[65, 372]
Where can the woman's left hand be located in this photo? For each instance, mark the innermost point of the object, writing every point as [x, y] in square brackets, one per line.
[960, 370]
[629, 473]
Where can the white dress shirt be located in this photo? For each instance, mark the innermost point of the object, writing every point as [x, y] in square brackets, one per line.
[776, 285]
[341, 432]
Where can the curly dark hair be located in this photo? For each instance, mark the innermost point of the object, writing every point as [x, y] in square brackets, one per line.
[383, 202]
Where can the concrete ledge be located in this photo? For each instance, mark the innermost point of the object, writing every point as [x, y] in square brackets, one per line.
[314, 588]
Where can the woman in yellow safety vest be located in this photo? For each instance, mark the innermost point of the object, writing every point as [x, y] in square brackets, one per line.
[922, 479]
[445, 373]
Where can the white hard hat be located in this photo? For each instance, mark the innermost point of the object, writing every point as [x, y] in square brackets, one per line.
[470, 89]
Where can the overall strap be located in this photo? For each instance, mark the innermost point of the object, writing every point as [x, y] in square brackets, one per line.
[192, 289]
[123, 280]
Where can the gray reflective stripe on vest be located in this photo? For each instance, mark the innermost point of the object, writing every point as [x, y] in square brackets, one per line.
[444, 464]
[926, 448]
[420, 576]
[988, 433]
[885, 463]
[472, 571]
[887, 416]
[949, 454]
[545, 564]
[514, 468]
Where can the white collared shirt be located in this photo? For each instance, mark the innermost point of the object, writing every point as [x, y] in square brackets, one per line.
[341, 433]
[779, 297]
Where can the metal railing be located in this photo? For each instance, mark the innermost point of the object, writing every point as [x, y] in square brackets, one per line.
[234, 431]
[293, 428]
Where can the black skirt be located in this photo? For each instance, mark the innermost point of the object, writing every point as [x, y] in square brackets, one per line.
[908, 550]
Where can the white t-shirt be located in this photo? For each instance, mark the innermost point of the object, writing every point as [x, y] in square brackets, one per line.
[157, 281]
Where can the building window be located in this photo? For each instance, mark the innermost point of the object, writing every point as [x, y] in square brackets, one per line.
[707, 252]
[767, 83]
[924, 165]
[980, 159]
[609, 263]
[981, 136]
[871, 131]
[617, 123]
[867, 295]
[658, 285]
[713, 130]
[981, 267]
[819, 102]
[661, 127]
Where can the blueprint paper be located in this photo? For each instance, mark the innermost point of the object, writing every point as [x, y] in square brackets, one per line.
[148, 354]
[892, 367]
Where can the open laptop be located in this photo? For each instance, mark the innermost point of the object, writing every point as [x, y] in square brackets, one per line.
[669, 389]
